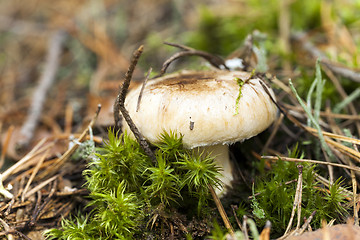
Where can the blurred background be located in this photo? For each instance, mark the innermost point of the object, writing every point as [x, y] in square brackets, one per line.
[94, 41]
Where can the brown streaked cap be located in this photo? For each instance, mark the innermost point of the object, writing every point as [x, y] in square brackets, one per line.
[204, 106]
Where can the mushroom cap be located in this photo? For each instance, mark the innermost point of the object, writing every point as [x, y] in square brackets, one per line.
[202, 106]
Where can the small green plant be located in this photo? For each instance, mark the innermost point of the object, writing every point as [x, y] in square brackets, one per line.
[127, 188]
[116, 212]
[164, 184]
[276, 191]
[73, 228]
[120, 159]
[199, 172]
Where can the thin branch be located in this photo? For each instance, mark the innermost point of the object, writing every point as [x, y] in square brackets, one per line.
[355, 185]
[214, 60]
[119, 106]
[221, 211]
[354, 168]
[299, 190]
[37, 215]
[40, 186]
[120, 100]
[7, 228]
[306, 224]
[234, 208]
[37, 167]
[142, 89]
[23, 163]
[46, 80]
[342, 148]
[245, 232]
[297, 203]
[316, 53]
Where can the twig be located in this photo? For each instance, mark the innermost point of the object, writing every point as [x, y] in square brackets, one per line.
[142, 89]
[59, 162]
[120, 100]
[119, 106]
[330, 168]
[40, 186]
[326, 114]
[35, 211]
[246, 235]
[300, 187]
[327, 184]
[37, 167]
[9, 207]
[3, 191]
[243, 53]
[306, 224]
[221, 211]
[7, 229]
[234, 207]
[354, 185]
[316, 53]
[343, 149]
[36, 214]
[297, 203]
[311, 161]
[248, 51]
[342, 93]
[25, 161]
[46, 80]
[214, 60]
[23, 236]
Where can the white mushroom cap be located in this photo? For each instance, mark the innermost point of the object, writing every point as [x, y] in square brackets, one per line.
[202, 106]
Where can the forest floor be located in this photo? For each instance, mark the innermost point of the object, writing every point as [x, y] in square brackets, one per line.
[60, 59]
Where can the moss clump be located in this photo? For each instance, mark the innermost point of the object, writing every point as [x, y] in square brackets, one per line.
[274, 195]
[128, 190]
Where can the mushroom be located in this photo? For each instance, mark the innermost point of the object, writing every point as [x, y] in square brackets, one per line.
[211, 109]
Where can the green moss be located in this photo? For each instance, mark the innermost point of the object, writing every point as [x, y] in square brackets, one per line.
[127, 189]
[276, 190]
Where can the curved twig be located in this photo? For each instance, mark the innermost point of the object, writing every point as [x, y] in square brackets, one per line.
[214, 60]
[119, 106]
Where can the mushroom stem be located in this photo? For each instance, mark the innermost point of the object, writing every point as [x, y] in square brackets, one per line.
[221, 154]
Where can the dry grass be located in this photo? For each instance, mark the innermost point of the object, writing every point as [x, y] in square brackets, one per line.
[88, 65]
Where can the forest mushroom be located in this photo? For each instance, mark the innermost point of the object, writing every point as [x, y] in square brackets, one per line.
[211, 109]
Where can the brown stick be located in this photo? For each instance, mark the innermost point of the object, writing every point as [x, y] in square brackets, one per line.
[119, 106]
[297, 203]
[142, 89]
[221, 211]
[214, 60]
